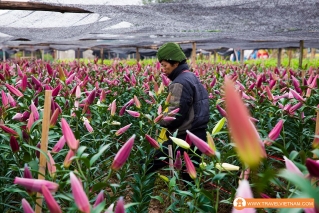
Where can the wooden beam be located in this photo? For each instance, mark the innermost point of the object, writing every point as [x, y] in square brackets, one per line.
[44, 144]
[34, 6]
[279, 57]
[301, 53]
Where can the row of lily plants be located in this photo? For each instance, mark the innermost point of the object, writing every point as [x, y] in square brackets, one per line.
[104, 130]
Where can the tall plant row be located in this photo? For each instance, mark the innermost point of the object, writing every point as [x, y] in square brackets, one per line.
[104, 130]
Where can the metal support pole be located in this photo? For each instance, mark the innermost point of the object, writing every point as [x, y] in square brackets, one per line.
[102, 55]
[241, 56]
[137, 55]
[301, 53]
[279, 57]
[4, 54]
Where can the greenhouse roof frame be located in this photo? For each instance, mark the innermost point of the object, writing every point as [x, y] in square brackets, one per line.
[241, 24]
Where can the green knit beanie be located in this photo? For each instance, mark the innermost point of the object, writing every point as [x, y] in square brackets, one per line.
[170, 51]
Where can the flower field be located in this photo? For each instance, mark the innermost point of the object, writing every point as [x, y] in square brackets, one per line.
[104, 131]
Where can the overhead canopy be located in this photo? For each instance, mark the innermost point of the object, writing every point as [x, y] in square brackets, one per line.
[242, 24]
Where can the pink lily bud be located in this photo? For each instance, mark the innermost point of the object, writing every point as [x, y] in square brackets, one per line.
[11, 100]
[190, 166]
[70, 79]
[168, 119]
[133, 80]
[269, 94]
[287, 107]
[251, 86]
[165, 80]
[90, 98]
[26, 206]
[26, 172]
[221, 111]
[133, 113]
[212, 84]
[5, 101]
[67, 161]
[168, 98]
[119, 208]
[59, 145]
[137, 102]
[313, 167]
[103, 95]
[78, 92]
[296, 84]
[36, 82]
[242, 130]
[113, 107]
[128, 104]
[275, 132]
[178, 161]
[173, 112]
[53, 206]
[25, 115]
[244, 191]
[61, 73]
[56, 90]
[259, 81]
[295, 107]
[123, 154]
[158, 66]
[272, 83]
[290, 166]
[308, 93]
[14, 144]
[80, 198]
[314, 83]
[37, 153]
[159, 110]
[152, 141]
[263, 195]
[68, 135]
[18, 117]
[13, 90]
[87, 125]
[30, 122]
[54, 117]
[200, 144]
[35, 112]
[8, 130]
[210, 142]
[296, 95]
[122, 130]
[35, 185]
[51, 165]
[126, 78]
[155, 87]
[158, 118]
[99, 199]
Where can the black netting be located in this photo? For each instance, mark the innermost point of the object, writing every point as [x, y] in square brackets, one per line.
[246, 24]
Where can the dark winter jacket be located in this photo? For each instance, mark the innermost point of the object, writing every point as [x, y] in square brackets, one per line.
[189, 95]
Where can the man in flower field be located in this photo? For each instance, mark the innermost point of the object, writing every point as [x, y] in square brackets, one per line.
[187, 94]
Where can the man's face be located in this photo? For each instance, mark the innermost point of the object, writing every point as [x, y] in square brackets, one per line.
[167, 68]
